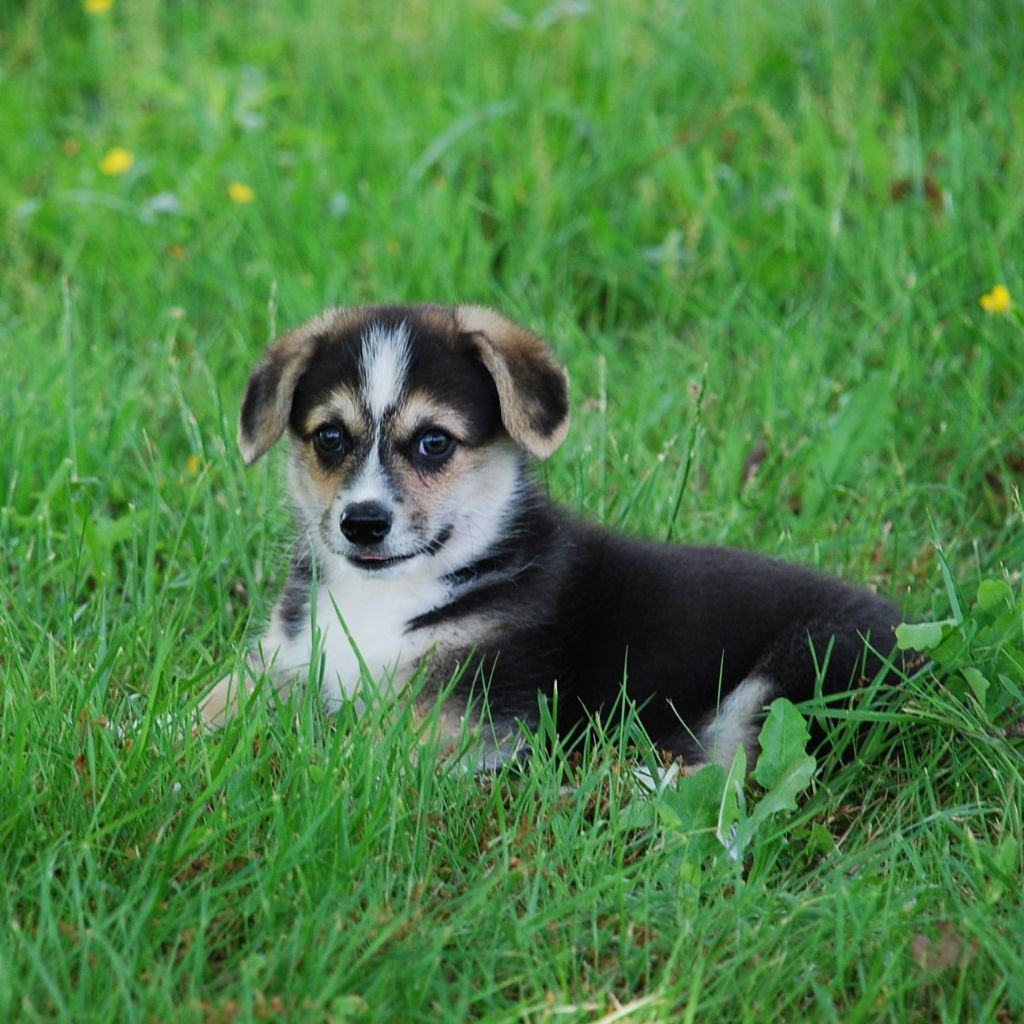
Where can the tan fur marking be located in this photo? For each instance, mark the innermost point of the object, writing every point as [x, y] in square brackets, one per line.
[421, 410]
[341, 407]
[438, 318]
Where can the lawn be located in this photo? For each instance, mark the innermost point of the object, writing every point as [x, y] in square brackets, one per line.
[766, 240]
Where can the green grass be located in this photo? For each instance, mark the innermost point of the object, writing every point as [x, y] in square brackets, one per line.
[795, 205]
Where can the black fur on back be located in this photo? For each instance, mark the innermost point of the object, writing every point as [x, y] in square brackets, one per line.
[577, 606]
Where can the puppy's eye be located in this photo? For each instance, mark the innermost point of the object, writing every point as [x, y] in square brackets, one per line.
[330, 441]
[435, 444]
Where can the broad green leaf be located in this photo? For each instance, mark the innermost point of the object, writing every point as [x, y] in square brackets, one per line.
[784, 738]
[784, 769]
[793, 780]
[994, 595]
[919, 636]
[789, 785]
[692, 809]
[977, 682]
[956, 643]
[693, 804]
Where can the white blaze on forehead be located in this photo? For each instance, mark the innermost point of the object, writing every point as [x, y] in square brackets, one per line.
[385, 364]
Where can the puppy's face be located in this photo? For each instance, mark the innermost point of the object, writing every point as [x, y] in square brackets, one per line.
[408, 428]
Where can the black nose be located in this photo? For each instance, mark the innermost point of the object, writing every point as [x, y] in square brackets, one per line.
[365, 523]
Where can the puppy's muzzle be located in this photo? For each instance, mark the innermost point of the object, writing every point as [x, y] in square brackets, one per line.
[365, 523]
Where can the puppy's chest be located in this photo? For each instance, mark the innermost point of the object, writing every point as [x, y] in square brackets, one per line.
[364, 622]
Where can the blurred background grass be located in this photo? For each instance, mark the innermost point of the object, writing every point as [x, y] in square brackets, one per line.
[804, 200]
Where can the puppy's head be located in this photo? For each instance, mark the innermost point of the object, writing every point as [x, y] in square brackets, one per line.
[408, 426]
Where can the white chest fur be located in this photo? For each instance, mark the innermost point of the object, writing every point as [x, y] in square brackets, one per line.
[358, 620]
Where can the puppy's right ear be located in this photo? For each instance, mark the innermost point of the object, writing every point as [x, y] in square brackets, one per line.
[268, 398]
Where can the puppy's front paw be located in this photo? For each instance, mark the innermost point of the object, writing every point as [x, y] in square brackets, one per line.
[224, 700]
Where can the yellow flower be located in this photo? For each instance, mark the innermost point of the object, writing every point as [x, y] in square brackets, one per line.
[98, 6]
[117, 161]
[998, 300]
[193, 465]
[240, 193]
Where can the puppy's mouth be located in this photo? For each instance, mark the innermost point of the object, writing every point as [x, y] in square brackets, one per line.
[375, 561]
[378, 561]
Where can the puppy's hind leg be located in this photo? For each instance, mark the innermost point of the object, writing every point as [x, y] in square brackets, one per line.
[738, 721]
[820, 656]
[830, 658]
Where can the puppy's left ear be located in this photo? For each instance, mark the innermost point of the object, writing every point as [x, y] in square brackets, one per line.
[533, 387]
[268, 397]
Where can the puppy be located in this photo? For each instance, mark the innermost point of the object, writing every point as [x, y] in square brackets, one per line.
[425, 544]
